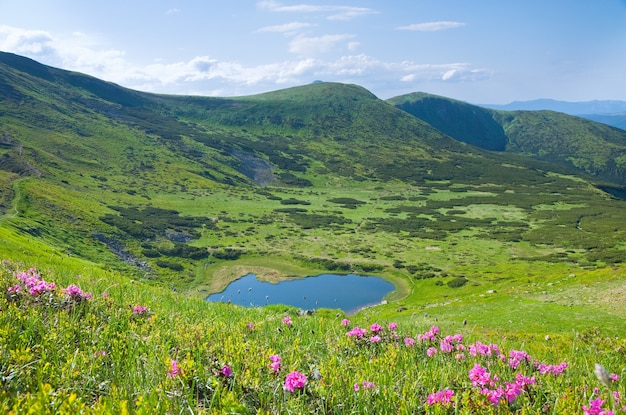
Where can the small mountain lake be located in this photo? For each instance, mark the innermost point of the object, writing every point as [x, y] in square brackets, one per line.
[346, 292]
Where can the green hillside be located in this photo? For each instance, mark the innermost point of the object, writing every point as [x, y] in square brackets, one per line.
[121, 211]
[308, 179]
[585, 146]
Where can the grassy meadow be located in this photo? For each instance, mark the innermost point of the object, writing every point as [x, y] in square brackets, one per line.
[127, 347]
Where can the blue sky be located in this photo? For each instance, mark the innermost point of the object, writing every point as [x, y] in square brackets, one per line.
[480, 51]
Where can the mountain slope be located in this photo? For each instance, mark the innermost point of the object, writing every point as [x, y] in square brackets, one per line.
[588, 147]
[571, 108]
[195, 191]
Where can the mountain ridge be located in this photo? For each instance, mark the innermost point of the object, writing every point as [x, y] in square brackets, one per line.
[326, 176]
[574, 142]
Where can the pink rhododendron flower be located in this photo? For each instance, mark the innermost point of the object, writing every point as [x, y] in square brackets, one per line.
[480, 377]
[226, 371]
[376, 328]
[140, 310]
[375, 339]
[595, 408]
[443, 397]
[275, 365]
[76, 293]
[295, 381]
[174, 370]
[356, 332]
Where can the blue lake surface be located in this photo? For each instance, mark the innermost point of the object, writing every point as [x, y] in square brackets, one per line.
[346, 292]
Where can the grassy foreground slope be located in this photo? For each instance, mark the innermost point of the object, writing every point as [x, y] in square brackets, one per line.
[100, 343]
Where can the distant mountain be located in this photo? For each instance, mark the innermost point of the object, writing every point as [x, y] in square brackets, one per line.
[607, 112]
[589, 147]
[616, 120]
[572, 108]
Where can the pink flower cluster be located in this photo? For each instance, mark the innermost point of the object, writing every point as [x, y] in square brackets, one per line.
[174, 370]
[443, 397]
[516, 357]
[430, 335]
[76, 294]
[356, 332]
[287, 321]
[295, 381]
[555, 369]
[275, 365]
[226, 371]
[140, 310]
[489, 385]
[33, 283]
[595, 408]
[479, 348]
[365, 384]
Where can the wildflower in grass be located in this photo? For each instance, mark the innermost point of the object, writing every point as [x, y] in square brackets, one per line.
[287, 321]
[431, 351]
[376, 328]
[174, 370]
[140, 310]
[365, 384]
[226, 371]
[614, 377]
[345, 322]
[295, 381]
[356, 332]
[409, 341]
[392, 326]
[375, 339]
[14, 289]
[523, 380]
[41, 287]
[443, 397]
[250, 326]
[76, 294]
[516, 357]
[479, 348]
[275, 365]
[480, 377]
[595, 408]
[459, 357]
[100, 353]
[555, 369]
[445, 346]
[430, 335]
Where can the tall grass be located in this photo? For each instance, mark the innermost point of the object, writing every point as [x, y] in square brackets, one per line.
[111, 345]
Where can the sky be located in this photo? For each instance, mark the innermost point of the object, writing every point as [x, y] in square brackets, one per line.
[479, 51]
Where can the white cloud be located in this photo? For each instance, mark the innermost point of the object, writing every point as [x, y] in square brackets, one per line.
[172, 11]
[432, 26]
[23, 41]
[287, 28]
[205, 75]
[307, 46]
[331, 12]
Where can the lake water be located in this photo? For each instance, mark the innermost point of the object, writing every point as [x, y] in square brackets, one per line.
[346, 292]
